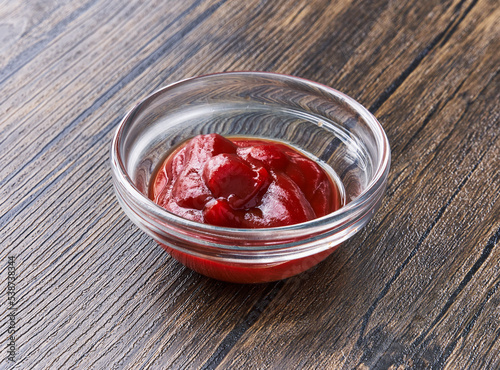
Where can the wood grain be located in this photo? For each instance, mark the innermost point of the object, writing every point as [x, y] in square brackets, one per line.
[418, 287]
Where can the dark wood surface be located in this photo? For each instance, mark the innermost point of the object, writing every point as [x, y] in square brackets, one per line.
[419, 287]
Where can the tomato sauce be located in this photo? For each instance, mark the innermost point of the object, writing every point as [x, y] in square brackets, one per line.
[243, 183]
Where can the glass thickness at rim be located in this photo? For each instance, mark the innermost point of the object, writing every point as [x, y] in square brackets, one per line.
[347, 214]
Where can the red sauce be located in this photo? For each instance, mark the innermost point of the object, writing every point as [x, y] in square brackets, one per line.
[243, 183]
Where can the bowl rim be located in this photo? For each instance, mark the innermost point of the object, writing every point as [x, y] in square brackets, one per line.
[335, 219]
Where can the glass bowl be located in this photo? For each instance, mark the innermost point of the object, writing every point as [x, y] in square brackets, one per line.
[330, 127]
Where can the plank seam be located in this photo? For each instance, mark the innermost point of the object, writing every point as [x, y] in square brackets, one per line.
[448, 32]
[234, 336]
[468, 277]
[451, 347]
[27, 55]
[383, 293]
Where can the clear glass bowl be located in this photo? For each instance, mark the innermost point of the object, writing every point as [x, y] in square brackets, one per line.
[322, 122]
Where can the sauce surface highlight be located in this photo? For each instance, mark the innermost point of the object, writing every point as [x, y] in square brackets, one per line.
[243, 183]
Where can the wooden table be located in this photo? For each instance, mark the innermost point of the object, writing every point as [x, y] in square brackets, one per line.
[418, 287]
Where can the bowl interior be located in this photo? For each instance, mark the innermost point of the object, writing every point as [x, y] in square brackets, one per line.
[321, 122]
